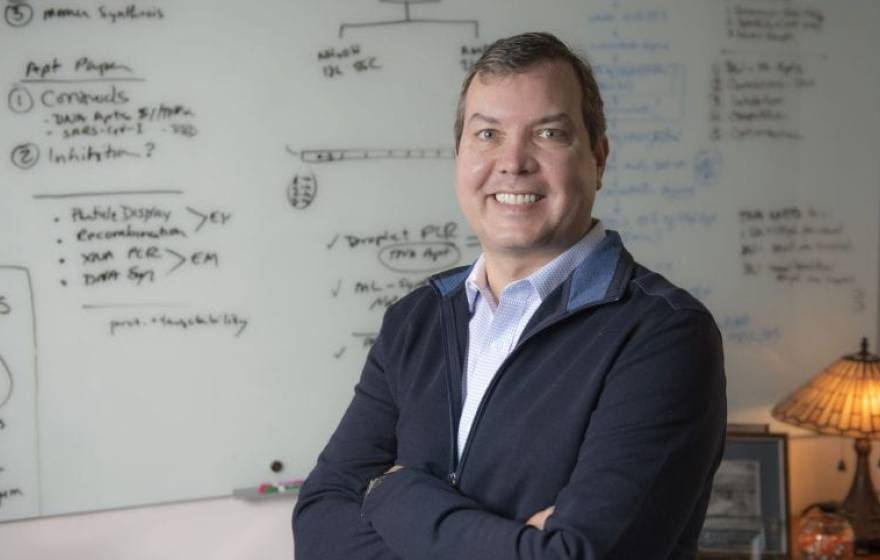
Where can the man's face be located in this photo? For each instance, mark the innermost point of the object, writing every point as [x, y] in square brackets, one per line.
[526, 174]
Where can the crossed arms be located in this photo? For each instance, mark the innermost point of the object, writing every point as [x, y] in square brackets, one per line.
[641, 478]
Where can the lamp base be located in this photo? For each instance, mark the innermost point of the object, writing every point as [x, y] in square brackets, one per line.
[868, 542]
[861, 507]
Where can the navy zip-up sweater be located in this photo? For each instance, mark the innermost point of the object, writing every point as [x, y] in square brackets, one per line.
[611, 407]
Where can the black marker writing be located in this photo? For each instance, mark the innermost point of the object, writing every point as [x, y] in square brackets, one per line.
[10, 493]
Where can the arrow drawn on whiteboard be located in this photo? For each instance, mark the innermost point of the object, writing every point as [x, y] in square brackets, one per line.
[180, 262]
[200, 215]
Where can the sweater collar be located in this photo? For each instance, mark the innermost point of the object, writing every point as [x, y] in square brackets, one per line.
[545, 279]
[601, 276]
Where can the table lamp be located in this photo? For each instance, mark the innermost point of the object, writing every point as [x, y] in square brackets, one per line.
[844, 400]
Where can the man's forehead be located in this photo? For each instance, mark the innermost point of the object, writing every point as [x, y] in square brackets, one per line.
[555, 74]
[551, 69]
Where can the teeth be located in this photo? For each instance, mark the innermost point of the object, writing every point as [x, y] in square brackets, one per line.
[508, 198]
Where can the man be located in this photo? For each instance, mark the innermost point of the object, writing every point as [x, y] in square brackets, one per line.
[554, 400]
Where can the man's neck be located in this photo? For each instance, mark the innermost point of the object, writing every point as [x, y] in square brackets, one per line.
[504, 269]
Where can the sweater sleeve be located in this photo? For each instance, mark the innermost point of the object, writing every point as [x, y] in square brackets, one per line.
[641, 483]
[327, 523]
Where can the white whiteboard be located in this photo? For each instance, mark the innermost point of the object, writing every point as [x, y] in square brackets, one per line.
[206, 207]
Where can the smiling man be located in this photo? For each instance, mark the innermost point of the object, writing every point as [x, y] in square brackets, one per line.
[554, 400]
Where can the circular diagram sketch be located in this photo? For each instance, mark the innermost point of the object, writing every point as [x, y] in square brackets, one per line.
[5, 382]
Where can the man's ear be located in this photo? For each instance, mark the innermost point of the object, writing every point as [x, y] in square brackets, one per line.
[600, 152]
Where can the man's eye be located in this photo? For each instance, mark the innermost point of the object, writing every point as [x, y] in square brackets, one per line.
[486, 134]
[552, 134]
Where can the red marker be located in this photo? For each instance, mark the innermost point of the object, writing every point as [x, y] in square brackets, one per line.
[276, 487]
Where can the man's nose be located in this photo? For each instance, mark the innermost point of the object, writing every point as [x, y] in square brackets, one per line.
[516, 158]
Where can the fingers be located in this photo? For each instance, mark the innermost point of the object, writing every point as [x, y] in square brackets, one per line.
[538, 519]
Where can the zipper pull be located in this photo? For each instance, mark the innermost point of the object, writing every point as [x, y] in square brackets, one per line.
[452, 479]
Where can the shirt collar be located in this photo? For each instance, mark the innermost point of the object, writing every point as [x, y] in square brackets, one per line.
[545, 279]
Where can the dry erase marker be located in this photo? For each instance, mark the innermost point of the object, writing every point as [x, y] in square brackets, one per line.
[277, 487]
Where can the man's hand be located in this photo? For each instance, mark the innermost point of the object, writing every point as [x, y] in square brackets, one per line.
[537, 520]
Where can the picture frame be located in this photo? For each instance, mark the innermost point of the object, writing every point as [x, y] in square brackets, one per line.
[749, 510]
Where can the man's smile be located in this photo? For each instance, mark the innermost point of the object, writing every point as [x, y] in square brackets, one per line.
[517, 198]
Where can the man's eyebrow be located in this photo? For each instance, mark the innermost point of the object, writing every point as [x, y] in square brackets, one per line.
[484, 118]
[556, 117]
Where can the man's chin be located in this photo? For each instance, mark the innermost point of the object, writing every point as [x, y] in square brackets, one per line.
[522, 249]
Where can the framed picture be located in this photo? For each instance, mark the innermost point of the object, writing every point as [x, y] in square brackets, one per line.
[748, 515]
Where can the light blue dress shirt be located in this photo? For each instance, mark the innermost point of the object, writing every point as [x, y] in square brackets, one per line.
[496, 325]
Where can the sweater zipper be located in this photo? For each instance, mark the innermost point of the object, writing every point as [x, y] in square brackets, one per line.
[454, 477]
[448, 322]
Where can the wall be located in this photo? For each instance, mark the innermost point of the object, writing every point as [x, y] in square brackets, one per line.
[221, 529]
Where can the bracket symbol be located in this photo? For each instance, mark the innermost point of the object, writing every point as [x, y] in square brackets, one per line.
[6, 382]
[408, 19]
